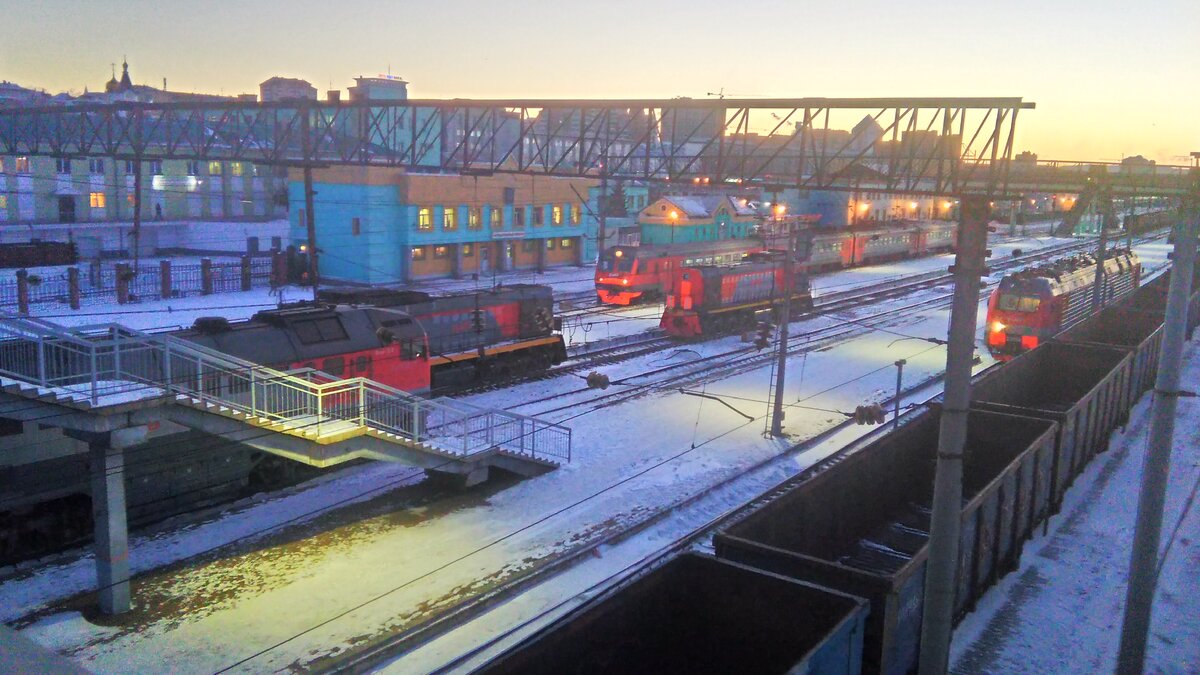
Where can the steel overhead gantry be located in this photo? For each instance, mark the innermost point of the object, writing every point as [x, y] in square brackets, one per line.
[911, 145]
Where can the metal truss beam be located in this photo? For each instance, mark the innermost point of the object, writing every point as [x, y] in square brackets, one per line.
[937, 146]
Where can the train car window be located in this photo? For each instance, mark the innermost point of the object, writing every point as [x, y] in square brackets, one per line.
[411, 349]
[360, 364]
[334, 366]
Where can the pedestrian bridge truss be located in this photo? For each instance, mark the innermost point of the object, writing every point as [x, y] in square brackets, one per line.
[305, 415]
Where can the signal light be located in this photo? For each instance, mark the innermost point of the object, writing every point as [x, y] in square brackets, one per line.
[765, 332]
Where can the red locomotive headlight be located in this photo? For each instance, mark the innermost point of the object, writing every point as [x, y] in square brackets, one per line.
[670, 302]
[1029, 341]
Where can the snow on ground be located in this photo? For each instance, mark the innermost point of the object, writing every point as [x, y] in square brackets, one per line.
[355, 579]
[1061, 612]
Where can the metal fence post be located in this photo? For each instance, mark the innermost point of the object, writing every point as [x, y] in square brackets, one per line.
[320, 408]
[416, 421]
[93, 359]
[362, 404]
[41, 360]
[116, 351]
[253, 395]
[167, 363]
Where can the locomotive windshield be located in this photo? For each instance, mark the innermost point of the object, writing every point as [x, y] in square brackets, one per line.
[1018, 303]
[616, 260]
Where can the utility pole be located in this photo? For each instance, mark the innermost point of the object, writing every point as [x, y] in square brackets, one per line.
[310, 217]
[942, 568]
[784, 318]
[137, 212]
[899, 383]
[1143, 564]
[1104, 206]
[602, 234]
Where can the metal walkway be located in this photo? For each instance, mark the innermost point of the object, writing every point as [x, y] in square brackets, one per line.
[304, 415]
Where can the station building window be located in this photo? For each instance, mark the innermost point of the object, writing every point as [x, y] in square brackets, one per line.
[529, 245]
[565, 244]
[441, 251]
[449, 219]
[468, 250]
[156, 167]
[518, 216]
[236, 169]
[63, 165]
[96, 166]
[193, 167]
[355, 226]
[539, 215]
[418, 253]
[550, 244]
[22, 165]
[474, 218]
[424, 219]
[556, 215]
[495, 217]
[214, 168]
[96, 200]
[576, 214]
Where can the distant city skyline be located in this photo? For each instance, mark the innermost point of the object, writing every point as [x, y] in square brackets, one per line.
[1108, 82]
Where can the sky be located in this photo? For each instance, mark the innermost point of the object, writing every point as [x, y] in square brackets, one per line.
[1111, 78]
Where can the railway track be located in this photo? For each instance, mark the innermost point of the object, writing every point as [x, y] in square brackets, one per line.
[714, 366]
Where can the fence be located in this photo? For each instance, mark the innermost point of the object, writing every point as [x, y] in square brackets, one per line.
[118, 282]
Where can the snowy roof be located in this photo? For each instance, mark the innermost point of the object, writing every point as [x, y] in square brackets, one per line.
[703, 206]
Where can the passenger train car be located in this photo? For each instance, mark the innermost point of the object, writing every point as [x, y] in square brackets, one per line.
[710, 299]
[405, 339]
[1033, 305]
[627, 274]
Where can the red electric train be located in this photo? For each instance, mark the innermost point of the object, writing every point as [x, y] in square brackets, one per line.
[1033, 305]
[628, 274]
[405, 339]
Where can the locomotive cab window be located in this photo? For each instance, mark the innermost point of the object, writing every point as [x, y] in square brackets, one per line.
[1018, 303]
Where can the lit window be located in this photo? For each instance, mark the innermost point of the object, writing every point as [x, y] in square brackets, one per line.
[235, 169]
[449, 219]
[424, 219]
[495, 217]
[468, 250]
[556, 215]
[474, 219]
[3, 201]
[418, 253]
[96, 165]
[539, 215]
[96, 199]
[565, 243]
[441, 251]
[355, 226]
[214, 168]
[549, 244]
[63, 165]
[576, 213]
[22, 165]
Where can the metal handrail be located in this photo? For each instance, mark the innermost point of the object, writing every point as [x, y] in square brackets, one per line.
[50, 355]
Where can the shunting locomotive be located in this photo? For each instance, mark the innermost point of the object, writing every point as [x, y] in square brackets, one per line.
[406, 339]
[1033, 305]
[712, 299]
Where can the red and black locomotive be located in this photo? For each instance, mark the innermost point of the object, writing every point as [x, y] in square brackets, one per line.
[712, 299]
[406, 339]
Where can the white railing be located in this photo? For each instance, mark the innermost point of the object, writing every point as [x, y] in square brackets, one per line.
[308, 403]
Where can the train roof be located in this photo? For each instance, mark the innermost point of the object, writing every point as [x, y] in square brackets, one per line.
[1067, 274]
[401, 297]
[694, 247]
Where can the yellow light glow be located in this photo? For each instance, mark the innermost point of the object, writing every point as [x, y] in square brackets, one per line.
[780, 209]
[864, 206]
[303, 248]
[998, 327]
[946, 205]
[619, 253]
[912, 205]
[674, 215]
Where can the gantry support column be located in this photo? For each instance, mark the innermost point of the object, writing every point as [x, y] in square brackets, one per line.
[111, 529]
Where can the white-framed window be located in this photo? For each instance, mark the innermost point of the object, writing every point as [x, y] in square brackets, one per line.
[62, 166]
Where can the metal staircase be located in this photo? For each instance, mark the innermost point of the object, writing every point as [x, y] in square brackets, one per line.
[324, 420]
